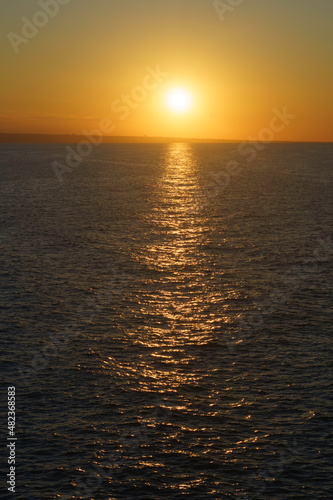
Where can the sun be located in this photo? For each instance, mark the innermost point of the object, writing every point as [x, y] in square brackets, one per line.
[179, 100]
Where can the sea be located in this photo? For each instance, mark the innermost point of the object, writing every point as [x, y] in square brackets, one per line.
[166, 321]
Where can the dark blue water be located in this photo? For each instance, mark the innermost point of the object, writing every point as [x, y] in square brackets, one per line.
[167, 323]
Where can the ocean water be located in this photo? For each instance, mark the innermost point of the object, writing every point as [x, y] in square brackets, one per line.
[166, 320]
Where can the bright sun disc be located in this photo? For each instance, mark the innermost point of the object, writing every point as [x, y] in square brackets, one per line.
[179, 100]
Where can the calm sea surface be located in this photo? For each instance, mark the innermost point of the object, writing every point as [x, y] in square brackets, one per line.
[167, 321]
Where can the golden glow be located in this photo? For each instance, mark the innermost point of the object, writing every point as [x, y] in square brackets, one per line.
[179, 100]
[227, 93]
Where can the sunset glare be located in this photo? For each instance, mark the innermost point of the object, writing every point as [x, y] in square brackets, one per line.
[190, 68]
[179, 100]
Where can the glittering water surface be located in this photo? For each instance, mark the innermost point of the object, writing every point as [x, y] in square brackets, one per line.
[167, 324]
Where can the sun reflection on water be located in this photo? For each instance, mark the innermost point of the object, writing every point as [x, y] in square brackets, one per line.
[162, 362]
[170, 308]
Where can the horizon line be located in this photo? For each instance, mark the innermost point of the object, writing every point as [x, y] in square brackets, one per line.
[37, 138]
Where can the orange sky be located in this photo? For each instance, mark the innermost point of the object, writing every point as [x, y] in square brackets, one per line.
[98, 59]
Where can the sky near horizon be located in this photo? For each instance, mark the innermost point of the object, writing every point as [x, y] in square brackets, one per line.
[117, 60]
